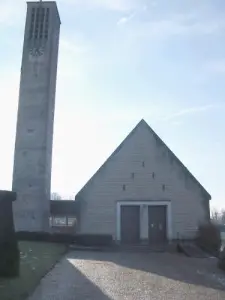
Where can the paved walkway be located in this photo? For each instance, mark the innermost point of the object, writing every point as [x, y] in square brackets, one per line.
[112, 276]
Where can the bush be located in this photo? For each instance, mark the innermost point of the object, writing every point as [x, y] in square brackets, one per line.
[79, 239]
[221, 261]
[208, 238]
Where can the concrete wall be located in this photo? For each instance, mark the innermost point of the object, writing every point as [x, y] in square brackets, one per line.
[34, 134]
[142, 170]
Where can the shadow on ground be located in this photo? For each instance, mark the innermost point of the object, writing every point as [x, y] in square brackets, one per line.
[82, 287]
[66, 282]
[200, 272]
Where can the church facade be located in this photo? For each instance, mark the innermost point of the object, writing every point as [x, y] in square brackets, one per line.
[143, 194]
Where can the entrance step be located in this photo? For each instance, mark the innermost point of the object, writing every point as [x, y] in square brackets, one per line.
[142, 248]
[191, 250]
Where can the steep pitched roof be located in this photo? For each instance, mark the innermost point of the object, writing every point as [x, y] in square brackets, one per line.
[144, 123]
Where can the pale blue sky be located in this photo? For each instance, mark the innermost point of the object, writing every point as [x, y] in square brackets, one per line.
[121, 61]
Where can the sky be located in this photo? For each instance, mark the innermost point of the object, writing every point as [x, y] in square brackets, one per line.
[121, 61]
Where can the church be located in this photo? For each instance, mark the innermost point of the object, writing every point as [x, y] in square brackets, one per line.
[141, 194]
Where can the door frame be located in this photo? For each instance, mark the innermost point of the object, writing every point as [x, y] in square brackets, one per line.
[169, 232]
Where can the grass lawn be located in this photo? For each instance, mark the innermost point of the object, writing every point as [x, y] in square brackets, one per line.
[36, 259]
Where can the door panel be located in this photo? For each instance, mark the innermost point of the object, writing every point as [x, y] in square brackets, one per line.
[130, 224]
[157, 222]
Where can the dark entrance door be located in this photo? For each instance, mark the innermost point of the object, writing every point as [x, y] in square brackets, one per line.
[130, 224]
[157, 224]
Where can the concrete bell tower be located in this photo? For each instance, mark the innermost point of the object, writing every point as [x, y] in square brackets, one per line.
[34, 133]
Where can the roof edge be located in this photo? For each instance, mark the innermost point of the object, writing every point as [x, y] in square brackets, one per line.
[113, 153]
[178, 160]
[161, 141]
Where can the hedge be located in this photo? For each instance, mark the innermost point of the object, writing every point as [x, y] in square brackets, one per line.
[9, 252]
[9, 259]
[79, 239]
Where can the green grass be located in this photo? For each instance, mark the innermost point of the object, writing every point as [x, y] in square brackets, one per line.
[36, 259]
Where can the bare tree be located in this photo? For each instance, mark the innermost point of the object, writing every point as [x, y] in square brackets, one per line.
[218, 216]
[214, 215]
[55, 196]
[223, 216]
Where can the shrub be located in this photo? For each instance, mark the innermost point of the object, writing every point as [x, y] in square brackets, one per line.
[208, 238]
[221, 261]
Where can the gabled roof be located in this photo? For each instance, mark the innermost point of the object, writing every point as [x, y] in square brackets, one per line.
[143, 123]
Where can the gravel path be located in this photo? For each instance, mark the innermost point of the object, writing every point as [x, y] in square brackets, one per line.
[109, 276]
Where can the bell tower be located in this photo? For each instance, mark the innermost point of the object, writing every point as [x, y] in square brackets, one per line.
[34, 132]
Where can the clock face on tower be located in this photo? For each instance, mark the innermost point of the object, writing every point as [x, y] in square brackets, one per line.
[36, 51]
